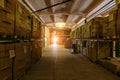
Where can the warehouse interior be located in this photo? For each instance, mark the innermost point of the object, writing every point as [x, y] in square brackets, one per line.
[53, 39]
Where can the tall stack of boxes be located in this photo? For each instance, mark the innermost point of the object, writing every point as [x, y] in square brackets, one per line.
[101, 40]
[6, 32]
[5, 61]
[7, 17]
[23, 21]
[92, 39]
[20, 40]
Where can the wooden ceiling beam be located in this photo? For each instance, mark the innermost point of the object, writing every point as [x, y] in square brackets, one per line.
[48, 3]
[70, 7]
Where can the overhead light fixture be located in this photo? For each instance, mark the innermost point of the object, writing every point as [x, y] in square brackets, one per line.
[60, 24]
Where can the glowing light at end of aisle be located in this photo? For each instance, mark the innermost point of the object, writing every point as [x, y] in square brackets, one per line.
[55, 39]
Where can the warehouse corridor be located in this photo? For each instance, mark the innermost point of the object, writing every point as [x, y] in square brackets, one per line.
[58, 63]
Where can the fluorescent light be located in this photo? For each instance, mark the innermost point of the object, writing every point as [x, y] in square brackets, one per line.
[103, 9]
[60, 24]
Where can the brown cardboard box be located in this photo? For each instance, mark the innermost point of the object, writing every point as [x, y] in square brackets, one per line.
[111, 29]
[19, 64]
[27, 51]
[10, 4]
[23, 21]
[112, 64]
[96, 27]
[117, 2]
[6, 74]
[68, 43]
[6, 22]
[87, 30]
[92, 55]
[112, 16]
[103, 50]
[2, 13]
[36, 51]
[5, 66]
[36, 28]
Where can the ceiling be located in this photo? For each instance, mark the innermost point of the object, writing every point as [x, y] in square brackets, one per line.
[70, 12]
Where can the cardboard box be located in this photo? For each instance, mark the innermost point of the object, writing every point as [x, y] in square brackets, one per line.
[92, 51]
[111, 29]
[103, 50]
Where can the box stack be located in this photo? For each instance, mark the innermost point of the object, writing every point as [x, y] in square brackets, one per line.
[17, 53]
[111, 29]
[112, 64]
[23, 22]
[96, 27]
[36, 51]
[92, 55]
[7, 8]
[106, 28]
[6, 61]
[68, 43]
[80, 32]
[27, 50]
[36, 29]
[103, 50]
[86, 32]
[19, 63]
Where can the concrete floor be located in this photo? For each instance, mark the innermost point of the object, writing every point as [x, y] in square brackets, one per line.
[57, 63]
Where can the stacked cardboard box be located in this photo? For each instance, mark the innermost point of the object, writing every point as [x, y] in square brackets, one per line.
[77, 31]
[36, 51]
[68, 43]
[27, 51]
[16, 20]
[6, 61]
[86, 32]
[92, 48]
[103, 50]
[71, 34]
[111, 64]
[7, 17]
[23, 21]
[98, 50]
[19, 63]
[112, 25]
[96, 29]
[105, 28]
[117, 2]
[36, 28]
[78, 46]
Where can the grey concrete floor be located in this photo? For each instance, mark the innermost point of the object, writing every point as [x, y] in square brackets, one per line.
[57, 63]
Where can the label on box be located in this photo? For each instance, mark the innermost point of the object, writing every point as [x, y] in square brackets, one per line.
[2, 3]
[11, 54]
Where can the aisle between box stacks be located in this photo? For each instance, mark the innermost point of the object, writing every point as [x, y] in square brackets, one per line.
[57, 63]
